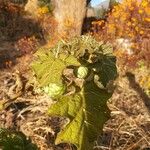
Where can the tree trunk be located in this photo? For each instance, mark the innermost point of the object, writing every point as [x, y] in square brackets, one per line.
[70, 15]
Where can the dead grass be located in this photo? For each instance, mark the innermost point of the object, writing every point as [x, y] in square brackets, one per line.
[129, 126]
[127, 129]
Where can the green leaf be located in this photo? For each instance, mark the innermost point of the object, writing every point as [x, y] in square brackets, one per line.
[12, 140]
[69, 60]
[106, 69]
[48, 69]
[87, 111]
[79, 45]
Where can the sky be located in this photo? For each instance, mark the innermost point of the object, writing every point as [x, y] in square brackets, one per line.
[96, 2]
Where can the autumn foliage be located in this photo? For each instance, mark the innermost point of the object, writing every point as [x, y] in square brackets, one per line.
[27, 45]
[129, 20]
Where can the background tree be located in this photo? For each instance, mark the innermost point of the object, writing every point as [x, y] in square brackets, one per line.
[70, 15]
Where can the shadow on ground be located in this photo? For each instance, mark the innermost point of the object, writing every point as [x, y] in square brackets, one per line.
[138, 89]
[14, 25]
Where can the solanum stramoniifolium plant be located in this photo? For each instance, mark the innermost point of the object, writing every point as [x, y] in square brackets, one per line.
[78, 66]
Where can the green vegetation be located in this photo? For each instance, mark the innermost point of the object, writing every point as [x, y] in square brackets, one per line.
[86, 105]
[12, 140]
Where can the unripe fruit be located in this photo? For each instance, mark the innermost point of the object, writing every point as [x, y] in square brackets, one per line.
[54, 90]
[82, 72]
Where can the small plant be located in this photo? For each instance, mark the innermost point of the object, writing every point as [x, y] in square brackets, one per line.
[43, 10]
[84, 67]
[12, 140]
[45, 7]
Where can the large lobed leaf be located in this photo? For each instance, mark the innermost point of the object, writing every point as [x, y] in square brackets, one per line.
[48, 68]
[50, 63]
[106, 69]
[87, 111]
[106, 63]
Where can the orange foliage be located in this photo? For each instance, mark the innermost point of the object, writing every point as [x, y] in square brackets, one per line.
[129, 20]
[42, 10]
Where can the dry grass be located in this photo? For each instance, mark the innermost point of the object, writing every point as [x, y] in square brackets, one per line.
[129, 126]
[127, 129]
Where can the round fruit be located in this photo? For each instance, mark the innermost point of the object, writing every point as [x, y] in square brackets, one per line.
[54, 90]
[82, 72]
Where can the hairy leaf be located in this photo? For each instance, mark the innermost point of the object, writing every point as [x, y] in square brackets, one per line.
[106, 69]
[87, 111]
[48, 69]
